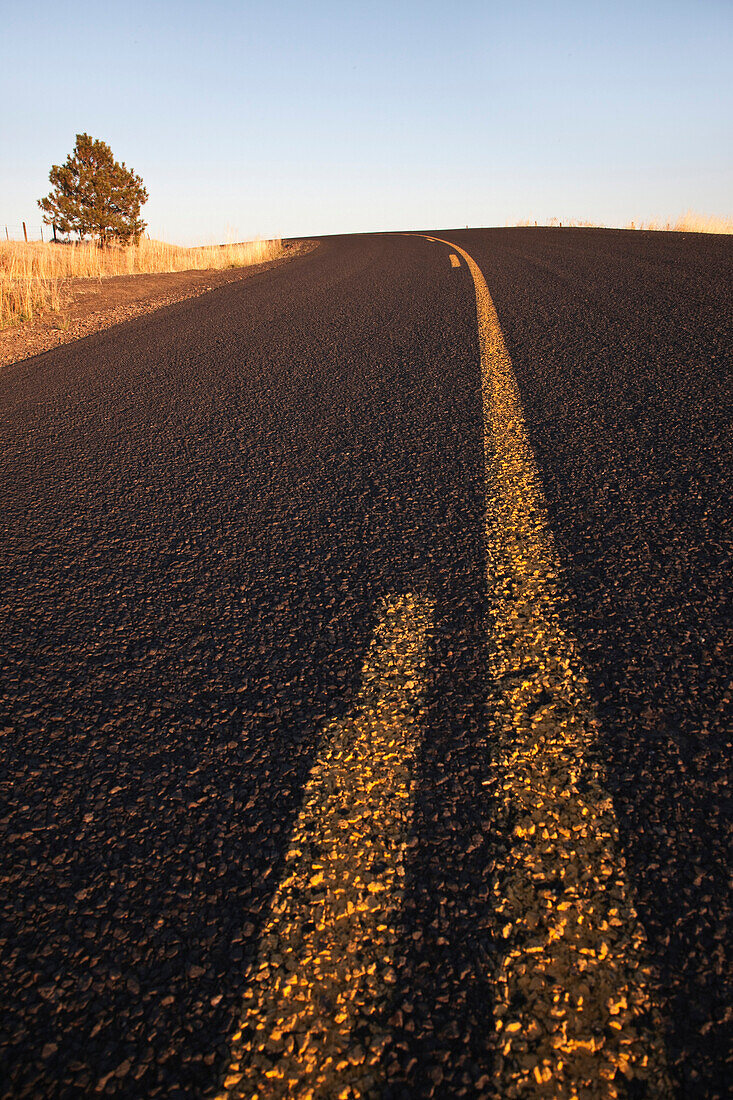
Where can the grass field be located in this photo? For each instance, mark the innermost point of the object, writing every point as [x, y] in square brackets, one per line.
[33, 276]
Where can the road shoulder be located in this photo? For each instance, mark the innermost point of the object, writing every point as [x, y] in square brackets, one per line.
[96, 304]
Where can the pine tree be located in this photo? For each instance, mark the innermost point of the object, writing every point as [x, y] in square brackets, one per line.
[95, 196]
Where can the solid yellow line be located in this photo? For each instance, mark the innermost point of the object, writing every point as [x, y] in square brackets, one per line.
[575, 1006]
[454, 261]
[310, 1026]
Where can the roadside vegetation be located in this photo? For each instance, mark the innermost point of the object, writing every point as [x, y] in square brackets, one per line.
[34, 277]
[689, 222]
[95, 196]
[99, 199]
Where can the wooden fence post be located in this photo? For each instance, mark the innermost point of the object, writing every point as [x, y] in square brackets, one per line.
[25, 233]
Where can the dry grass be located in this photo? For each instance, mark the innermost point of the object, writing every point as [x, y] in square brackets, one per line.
[24, 292]
[557, 222]
[689, 222]
[32, 276]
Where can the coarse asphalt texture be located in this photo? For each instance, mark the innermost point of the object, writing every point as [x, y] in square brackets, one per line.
[203, 511]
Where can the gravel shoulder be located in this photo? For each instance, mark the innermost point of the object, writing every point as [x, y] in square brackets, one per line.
[95, 304]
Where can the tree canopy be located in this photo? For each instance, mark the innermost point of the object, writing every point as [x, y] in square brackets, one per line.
[95, 196]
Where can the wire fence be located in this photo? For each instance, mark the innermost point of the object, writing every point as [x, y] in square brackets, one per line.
[26, 231]
[30, 231]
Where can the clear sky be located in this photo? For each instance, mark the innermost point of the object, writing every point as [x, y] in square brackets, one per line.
[277, 117]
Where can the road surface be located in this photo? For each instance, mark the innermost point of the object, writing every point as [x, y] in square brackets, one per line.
[367, 681]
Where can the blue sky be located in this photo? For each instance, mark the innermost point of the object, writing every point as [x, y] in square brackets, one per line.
[284, 118]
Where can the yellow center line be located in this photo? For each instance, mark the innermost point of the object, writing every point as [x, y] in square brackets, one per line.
[454, 261]
[575, 1011]
[312, 1021]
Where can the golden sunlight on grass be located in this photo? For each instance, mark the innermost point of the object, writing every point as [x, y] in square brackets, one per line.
[689, 222]
[32, 276]
[553, 223]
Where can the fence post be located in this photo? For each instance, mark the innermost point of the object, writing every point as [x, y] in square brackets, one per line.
[54, 232]
[7, 235]
[41, 234]
[25, 233]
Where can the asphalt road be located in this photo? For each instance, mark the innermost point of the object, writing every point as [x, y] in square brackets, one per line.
[205, 513]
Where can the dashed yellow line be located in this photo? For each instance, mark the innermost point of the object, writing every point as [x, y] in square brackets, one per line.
[575, 1011]
[311, 1025]
[454, 261]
